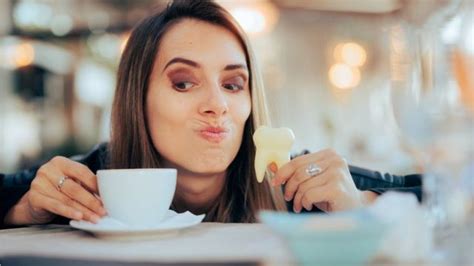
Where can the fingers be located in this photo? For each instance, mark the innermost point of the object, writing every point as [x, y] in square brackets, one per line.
[48, 190]
[300, 177]
[76, 191]
[53, 205]
[319, 196]
[311, 192]
[76, 200]
[86, 213]
[78, 194]
[333, 184]
[337, 189]
[76, 171]
[285, 173]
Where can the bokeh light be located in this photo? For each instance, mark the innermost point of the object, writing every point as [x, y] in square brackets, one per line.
[254, 17]
[24, 54]
[343, 76]
[353, 54]
[350, 53]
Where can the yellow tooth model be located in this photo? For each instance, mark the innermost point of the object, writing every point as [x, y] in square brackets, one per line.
[273, 145]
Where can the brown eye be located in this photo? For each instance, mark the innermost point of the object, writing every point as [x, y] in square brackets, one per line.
[233, 87]
[234, 84]
[182, 80]
[183, 86]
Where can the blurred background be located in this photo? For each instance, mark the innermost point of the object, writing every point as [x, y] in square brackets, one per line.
[330, 68]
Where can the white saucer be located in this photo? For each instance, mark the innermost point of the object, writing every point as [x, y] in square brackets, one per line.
[108, 227]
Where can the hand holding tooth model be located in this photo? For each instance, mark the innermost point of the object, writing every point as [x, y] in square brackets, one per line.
[320, 179]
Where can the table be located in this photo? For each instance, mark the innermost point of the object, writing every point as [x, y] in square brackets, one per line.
[206, 243]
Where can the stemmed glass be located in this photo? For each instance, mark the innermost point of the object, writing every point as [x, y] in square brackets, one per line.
[430, 107]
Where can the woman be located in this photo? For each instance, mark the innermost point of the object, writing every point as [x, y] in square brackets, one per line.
[189, 97]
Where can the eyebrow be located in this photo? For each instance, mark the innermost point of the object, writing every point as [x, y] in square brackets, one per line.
[197, 65]
[235, 66]
[182, 61]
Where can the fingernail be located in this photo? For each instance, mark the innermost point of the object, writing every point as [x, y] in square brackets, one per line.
[273, 167]
[102, 212]
[94, 218]
[287, 198]
[296, 210]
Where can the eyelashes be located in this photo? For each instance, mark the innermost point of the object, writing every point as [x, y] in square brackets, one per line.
[233, 87]
[183, 84]
[235, 84]
[182, 80]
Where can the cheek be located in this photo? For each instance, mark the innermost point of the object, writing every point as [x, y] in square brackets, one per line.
[243, 119]
[163, 114]
[242, 111]
[154, 111]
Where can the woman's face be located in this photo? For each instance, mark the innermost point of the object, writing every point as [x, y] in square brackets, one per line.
[198, 99]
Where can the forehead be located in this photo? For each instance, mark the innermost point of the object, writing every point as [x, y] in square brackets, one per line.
[201, 41]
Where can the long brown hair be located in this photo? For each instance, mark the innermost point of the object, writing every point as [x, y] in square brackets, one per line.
[131, 145]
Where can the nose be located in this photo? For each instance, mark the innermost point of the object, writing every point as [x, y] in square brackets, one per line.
[214, 103]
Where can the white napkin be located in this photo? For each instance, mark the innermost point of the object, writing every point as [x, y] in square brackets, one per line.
[409, 236]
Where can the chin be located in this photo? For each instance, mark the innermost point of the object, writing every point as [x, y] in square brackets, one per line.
[212, 166]
[211, 169]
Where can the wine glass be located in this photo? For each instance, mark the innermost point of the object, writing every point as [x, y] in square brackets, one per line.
[430, 107]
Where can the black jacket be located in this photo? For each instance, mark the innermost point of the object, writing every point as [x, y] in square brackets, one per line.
[14, 186]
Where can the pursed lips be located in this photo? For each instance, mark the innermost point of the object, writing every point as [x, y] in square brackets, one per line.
[213, 134]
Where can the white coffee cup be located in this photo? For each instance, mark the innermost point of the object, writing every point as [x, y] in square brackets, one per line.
[137, 197]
